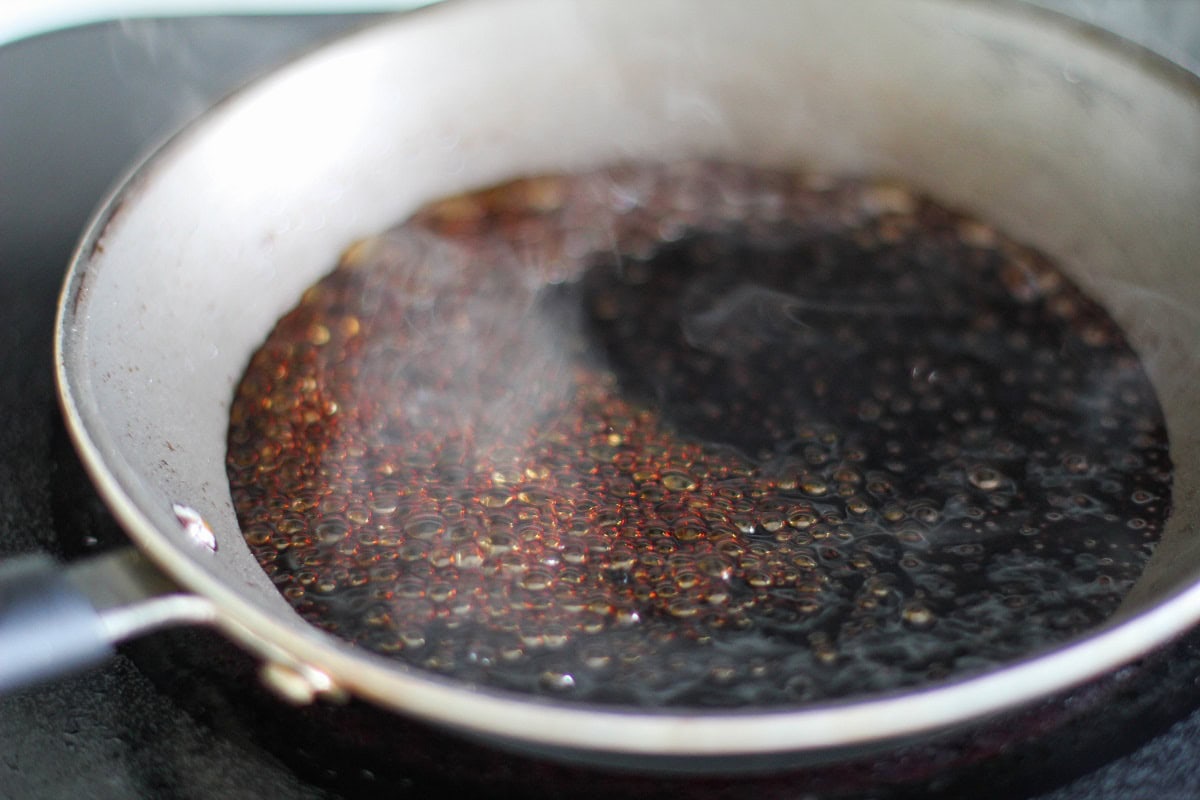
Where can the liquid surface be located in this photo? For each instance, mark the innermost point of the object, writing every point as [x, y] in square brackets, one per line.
[698, 435]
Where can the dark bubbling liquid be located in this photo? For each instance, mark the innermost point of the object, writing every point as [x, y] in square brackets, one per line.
[698, 435]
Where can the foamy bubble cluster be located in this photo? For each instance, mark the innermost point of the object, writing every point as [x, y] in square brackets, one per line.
[698, 435]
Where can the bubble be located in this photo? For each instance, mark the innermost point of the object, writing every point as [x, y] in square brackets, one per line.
[918, 616]
[424, 526]
[985, 478]
[688, 529]
[678, 481]
[468, 556]
[495, 498]
[318, 334]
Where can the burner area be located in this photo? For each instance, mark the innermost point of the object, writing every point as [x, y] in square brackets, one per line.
[182, 715]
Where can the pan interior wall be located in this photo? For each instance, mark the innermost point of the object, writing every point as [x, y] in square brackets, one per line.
[217, 237]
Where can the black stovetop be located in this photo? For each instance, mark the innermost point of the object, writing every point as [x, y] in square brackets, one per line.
[161, 722]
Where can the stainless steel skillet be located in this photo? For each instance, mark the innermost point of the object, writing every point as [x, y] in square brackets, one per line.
[1068, 140]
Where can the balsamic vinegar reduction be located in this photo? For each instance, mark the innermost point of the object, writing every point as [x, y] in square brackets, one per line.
[698, 435]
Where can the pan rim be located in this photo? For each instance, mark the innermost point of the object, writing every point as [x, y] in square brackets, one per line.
[844, 724]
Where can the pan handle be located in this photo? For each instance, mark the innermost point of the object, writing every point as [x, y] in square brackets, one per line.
[55, 621]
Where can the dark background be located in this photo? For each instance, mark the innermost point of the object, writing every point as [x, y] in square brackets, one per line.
[76, 107]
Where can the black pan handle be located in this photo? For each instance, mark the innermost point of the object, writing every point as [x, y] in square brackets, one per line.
[56, 620]
[47, 626]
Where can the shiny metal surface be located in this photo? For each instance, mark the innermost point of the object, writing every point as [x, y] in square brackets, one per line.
[133, 597]
[1094, 148]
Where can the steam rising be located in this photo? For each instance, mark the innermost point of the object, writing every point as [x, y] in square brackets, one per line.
[698, 434]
